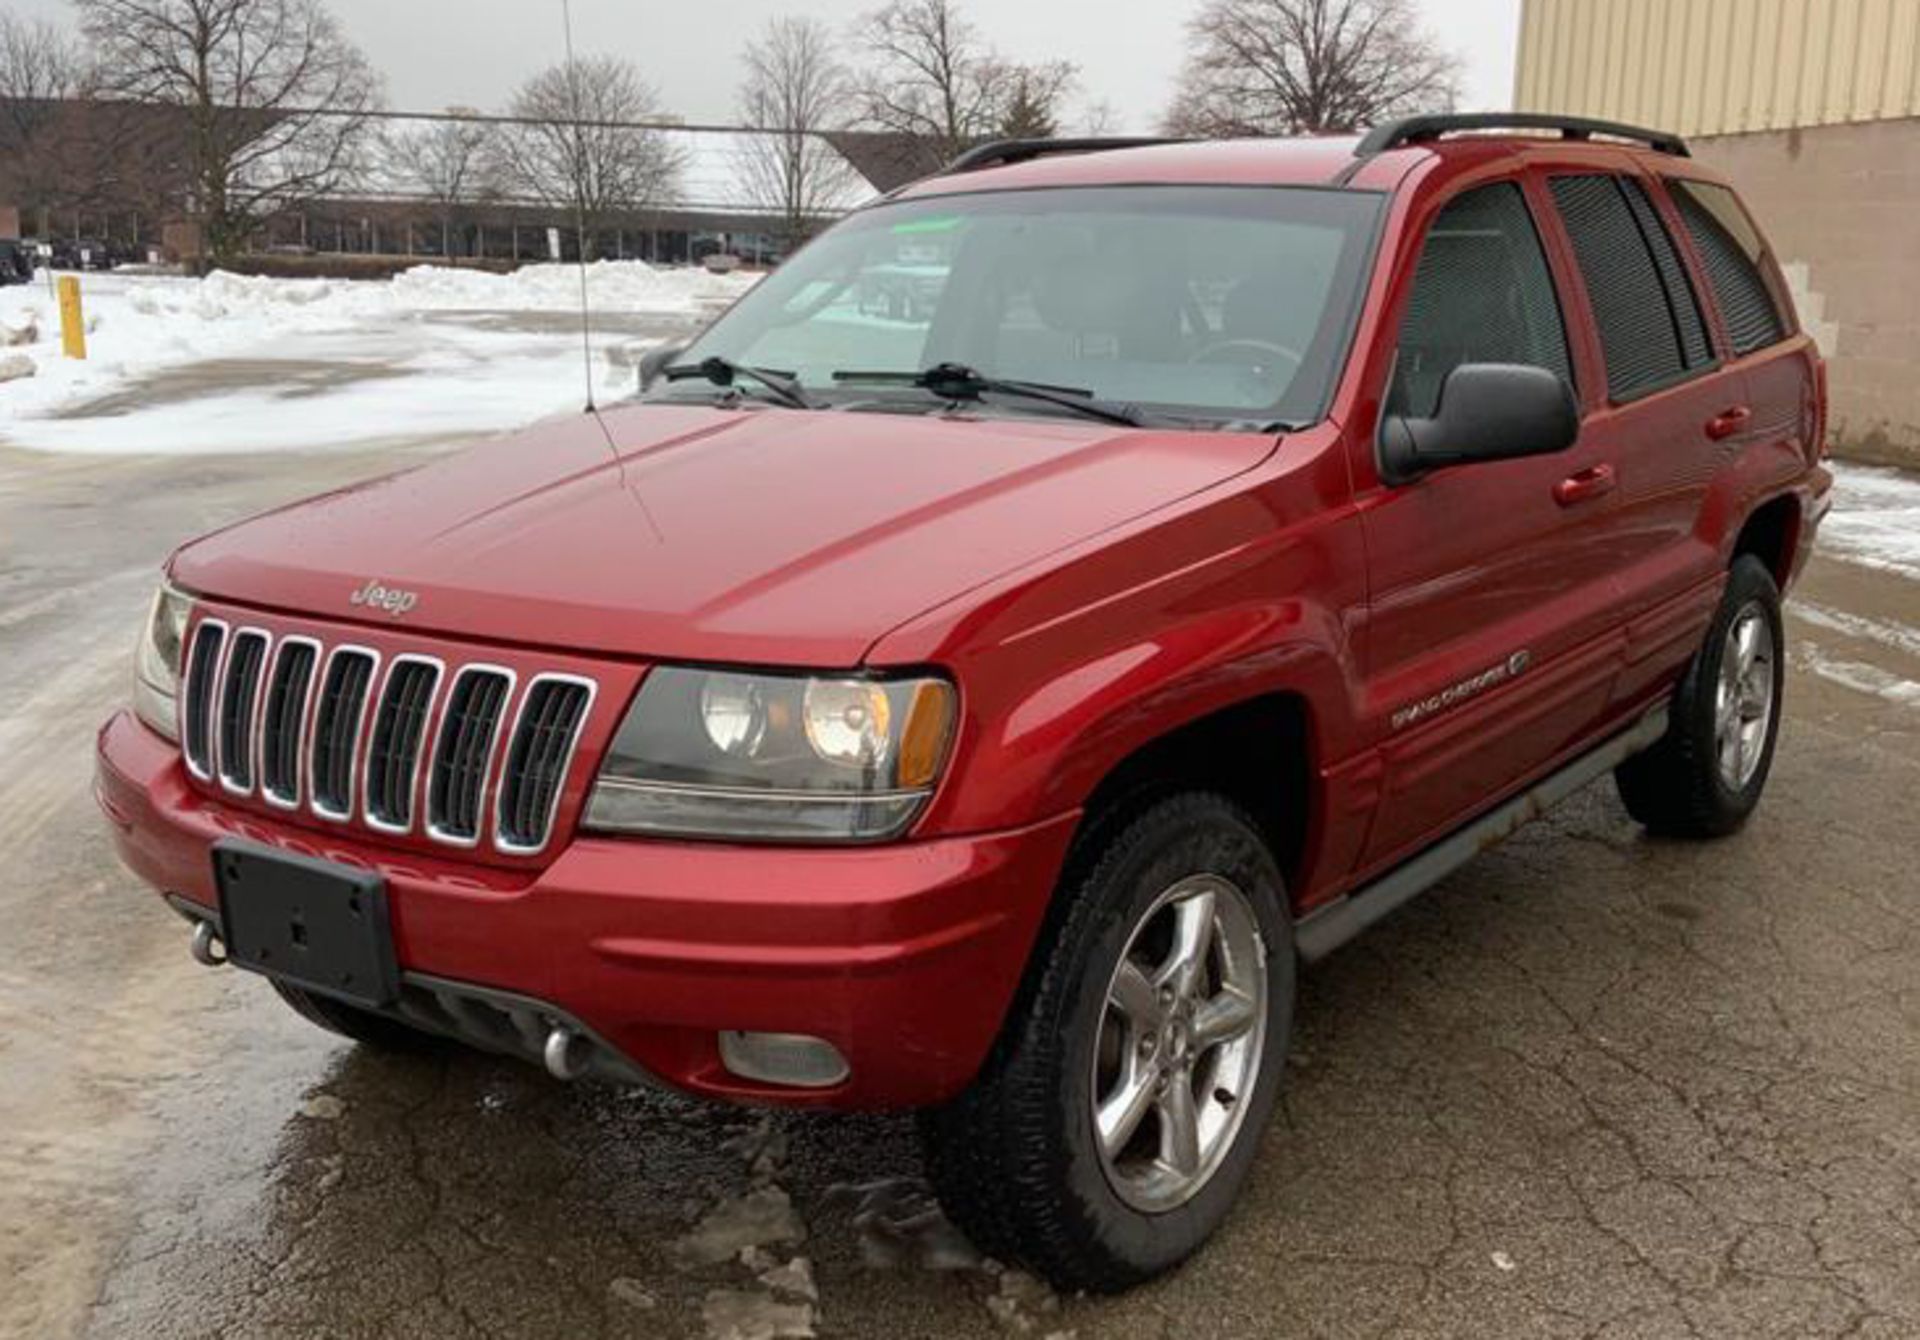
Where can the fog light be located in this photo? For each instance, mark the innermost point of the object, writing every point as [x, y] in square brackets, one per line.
[783, 1058]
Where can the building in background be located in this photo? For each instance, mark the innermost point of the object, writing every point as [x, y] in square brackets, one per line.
[1813, 108]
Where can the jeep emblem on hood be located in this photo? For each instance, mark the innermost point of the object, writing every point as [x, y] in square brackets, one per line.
[391, 599]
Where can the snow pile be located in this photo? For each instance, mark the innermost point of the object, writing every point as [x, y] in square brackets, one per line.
[214, 364]
[1875, 519]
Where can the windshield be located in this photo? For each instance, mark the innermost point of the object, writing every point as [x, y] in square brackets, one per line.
[1212, 302]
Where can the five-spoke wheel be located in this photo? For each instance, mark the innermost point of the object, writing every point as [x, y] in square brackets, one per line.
[1180, 1042]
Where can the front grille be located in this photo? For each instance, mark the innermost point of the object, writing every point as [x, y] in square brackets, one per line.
[336, 730]
[393, 755]
[285, 720]
[196, 739]
[238, 697]
[343, 733]
[543, 741]
[468, 730]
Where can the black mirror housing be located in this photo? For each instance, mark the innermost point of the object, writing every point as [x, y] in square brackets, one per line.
[656, 361]
[1487, 412]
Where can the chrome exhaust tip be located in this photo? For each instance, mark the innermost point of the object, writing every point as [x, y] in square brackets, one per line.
[566, 1053]
[207, 948]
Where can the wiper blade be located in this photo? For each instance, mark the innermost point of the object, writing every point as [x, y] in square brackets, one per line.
[956, 381]
[725, 372]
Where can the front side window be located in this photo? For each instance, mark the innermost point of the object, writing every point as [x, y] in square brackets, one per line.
[1225, 303]
[1651, 330]
[1730, 250]
[1482, 294]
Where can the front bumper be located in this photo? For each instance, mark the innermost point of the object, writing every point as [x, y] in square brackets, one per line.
[905, 957]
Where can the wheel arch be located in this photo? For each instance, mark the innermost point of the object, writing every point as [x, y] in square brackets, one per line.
[1771, 533]
[1258, 752]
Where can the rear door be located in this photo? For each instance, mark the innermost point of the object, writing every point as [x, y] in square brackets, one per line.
[1492, 631]
[1672, 413]
[1780, 371]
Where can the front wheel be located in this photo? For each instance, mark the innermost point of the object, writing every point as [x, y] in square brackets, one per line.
[1705, 776]
[1113, 1127]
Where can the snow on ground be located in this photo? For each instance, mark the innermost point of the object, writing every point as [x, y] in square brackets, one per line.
[1875, 519]
[233, 363]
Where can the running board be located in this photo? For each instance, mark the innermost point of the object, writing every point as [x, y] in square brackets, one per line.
[1326, 928]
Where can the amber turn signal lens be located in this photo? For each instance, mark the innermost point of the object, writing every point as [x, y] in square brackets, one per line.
[923, 741]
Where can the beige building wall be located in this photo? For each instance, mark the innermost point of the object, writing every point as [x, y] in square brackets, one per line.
[1839, 204]
[1721, 67]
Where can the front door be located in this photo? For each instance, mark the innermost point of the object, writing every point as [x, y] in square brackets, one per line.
[1492, 633]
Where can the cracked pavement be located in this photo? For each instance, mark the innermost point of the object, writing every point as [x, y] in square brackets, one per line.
[1595, 1086]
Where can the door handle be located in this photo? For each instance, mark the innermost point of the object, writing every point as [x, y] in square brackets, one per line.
[1728, 422]
[1588, 484]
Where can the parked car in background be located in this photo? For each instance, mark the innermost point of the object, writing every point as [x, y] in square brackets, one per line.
[985, 709]
[16, 261]
[84, 254]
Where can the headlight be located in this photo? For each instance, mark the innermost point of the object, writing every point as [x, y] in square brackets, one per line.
[156, 677]
[707, 753]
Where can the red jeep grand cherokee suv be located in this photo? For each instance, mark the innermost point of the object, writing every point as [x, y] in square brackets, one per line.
[983, 704]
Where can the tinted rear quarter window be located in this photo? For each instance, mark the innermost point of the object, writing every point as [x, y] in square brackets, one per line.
[1730, 249]
[1651, 329]
[1482, 293]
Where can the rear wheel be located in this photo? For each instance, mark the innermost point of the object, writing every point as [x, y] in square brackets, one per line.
[349, 1021]
[1706, 775]
[1112, 1129]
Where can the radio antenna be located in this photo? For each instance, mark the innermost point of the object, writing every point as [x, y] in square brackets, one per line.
[579, 197]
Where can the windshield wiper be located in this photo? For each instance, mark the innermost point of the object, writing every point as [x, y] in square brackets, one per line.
[956, 381]
[725, 372]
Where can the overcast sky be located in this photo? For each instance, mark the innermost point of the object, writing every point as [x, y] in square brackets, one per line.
[438, 53]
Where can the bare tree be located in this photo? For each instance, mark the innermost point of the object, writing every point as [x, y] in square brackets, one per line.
[276, 99]
[1303, 67]
[450, 162]
[39, 66]
[934, 78]
[795, 89]
[580, 149]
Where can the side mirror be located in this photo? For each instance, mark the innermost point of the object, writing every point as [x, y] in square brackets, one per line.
[1487, 412]
[656, 361]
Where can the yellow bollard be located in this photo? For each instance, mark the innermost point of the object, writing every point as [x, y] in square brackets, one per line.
[73, 326]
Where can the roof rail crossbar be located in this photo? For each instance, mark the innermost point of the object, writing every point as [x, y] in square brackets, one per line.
[1001, 153]
[1426, 129]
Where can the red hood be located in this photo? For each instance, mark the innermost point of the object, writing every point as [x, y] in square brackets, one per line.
[755, 535]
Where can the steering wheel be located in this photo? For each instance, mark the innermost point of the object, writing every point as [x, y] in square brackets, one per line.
[1213, 353]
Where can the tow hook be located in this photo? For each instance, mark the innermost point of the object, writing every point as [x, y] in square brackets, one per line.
[566, 1053]
[208, 949]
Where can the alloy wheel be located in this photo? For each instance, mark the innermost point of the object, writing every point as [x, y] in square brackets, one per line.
[1180, 1043]
[1743, 703]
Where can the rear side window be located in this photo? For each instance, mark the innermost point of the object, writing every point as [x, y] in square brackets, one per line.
[1482, 294]
[1730, 250]
[1651, 329]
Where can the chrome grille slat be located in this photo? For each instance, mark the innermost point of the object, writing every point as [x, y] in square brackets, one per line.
[203, 666]
[239, 698]
[393, 753]
[538, 760]
[469, 729]
[336, 730]
[283, 725]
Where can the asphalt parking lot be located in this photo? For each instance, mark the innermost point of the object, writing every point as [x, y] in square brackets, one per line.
[1595, 1086]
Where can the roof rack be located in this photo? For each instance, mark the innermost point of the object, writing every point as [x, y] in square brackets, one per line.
[1001, 153]
[1426, 129]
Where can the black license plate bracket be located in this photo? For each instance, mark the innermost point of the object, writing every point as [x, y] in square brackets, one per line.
[307, 922]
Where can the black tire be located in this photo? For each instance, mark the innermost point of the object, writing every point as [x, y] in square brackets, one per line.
[1015, 1159]
[1678, 788]
[349, 1021]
